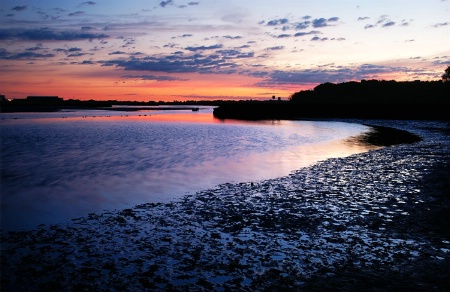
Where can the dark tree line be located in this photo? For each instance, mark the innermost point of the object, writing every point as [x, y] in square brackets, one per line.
[368, 99]
[377, 92]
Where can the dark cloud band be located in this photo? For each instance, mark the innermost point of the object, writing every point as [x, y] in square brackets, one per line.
[46, 34]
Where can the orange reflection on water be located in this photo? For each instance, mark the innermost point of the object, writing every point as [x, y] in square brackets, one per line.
[183, 117]
[175, 116]
[199, 117]
[138, 116]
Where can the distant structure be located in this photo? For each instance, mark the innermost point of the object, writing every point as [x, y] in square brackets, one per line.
[39, 98]
[274, 97]
[3, 98]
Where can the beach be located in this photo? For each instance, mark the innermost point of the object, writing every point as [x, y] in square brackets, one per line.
[374, 221]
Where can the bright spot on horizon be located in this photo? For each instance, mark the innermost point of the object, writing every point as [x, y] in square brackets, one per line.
[214, 49]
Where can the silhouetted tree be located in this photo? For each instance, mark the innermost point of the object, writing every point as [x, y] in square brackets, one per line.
[446, 75]
[376, 92]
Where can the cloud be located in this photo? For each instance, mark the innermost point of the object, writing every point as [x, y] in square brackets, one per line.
[165, 3]
[74, 49]
[199, 63]
[367, 70]
[363, 18]
[158, 78]
[35, 48]
[19, 8]
[302, 25]
[308, 76]
[245, 55]
[3, 53]
[322, 22]
[277, 22]
[276, 48]
[258, 74]
[332, 74]
[28, 55]
[390, 23]
[382, 18]
[117, 53]
[285, 24]
[71, 52]
[235, 54]
[170, 45]
[203, 48]
[442, 62]
[384, 21]
[405, 22]
[316, 38]
[193, 3]
[228, 53]
[441, 24]
[77, 54]
[220, 61]
[78, 13]
[47, 34]
[88, 3]
[232, 37]
[300, 34]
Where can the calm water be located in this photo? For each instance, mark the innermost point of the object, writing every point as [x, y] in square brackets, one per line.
[57, 166]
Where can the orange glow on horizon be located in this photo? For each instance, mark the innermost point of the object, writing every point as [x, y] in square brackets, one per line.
[103, 83]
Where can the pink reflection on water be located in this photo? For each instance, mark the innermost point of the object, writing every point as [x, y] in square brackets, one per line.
[262, 166]
[133, 181]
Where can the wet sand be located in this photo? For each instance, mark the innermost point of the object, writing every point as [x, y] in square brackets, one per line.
[374, 221]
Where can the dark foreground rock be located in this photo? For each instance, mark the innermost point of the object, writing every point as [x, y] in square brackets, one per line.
[376, 221]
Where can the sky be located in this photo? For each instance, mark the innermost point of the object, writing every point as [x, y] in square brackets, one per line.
[152, 50]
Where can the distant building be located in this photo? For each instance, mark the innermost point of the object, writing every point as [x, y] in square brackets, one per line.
[38, 98]
[3, 98]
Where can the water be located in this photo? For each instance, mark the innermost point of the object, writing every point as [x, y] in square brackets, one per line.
[58, 166]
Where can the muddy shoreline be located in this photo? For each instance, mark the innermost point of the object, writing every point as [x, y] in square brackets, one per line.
[374, 221]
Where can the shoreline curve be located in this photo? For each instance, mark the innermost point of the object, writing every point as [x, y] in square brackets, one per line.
[375, 220]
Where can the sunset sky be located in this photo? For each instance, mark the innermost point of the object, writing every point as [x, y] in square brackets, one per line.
[215, 49]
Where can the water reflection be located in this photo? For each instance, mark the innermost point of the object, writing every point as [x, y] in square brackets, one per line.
[58, 166]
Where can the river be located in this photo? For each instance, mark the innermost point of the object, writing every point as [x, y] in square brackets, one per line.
[63, 165]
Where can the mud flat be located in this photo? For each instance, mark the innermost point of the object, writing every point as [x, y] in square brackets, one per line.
[369, 222]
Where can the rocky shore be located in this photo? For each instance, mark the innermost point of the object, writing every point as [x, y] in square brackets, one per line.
[375, 221]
